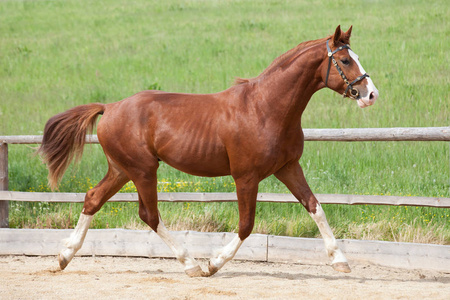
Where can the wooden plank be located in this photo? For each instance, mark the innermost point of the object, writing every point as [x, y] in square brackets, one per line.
[21, 139]
[379, 134]
[384, 200]
[122, 242]
[259, 247]
[4, 204]
[231, 197]
[300, 250]
[36, 139]
[399, 255]
[389, 254]
[312, 134]
[361, 199]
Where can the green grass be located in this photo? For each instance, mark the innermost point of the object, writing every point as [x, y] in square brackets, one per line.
[58, 54]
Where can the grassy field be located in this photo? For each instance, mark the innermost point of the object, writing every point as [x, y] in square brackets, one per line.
[58, 54]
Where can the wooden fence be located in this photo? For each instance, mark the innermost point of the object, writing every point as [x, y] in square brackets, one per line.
[257, 247]
[343, 135]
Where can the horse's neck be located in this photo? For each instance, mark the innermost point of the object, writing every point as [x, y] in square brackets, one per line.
[286, 92]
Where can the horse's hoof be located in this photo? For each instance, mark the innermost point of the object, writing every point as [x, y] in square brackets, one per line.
[212, 269]
[341, 267]
[196, 272]
[63, 262]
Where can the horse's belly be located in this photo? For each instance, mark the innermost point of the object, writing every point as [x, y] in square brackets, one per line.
[206, 169]
[196, 159]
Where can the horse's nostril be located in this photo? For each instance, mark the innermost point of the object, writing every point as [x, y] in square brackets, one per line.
[372, 95]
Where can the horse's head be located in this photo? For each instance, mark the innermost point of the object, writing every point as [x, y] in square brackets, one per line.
[343, 73]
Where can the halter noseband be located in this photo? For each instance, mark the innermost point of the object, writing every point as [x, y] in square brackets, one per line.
[354, 94]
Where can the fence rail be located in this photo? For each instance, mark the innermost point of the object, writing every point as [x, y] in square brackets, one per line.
[257, 247]
[429, 134]
[341, 135]
[231, 197]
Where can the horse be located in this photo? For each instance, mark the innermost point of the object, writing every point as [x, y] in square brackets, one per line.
[249, 131]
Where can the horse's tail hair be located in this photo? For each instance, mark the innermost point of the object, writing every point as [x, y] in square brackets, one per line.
[64, 138]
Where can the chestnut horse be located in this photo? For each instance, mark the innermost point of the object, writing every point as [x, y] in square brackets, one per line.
[249, 131]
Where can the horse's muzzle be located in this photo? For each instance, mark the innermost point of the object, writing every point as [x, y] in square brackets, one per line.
[369, 99]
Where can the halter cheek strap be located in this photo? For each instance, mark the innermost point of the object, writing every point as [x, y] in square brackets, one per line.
[354, 94]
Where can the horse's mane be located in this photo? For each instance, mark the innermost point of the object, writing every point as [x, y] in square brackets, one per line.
[283, 59]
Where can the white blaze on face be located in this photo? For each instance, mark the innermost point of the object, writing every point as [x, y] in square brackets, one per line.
[372, 92]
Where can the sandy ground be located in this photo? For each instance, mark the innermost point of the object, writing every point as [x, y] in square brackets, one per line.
[25, 277]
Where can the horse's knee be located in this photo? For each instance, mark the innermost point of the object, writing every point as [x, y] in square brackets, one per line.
[245, 229]
[310, 204]
[150, 218]
[94, 200]
[91, 204]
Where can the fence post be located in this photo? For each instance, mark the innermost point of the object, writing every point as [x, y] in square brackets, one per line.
[4, 205]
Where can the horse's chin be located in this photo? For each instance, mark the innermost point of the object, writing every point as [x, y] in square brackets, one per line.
[362, 103]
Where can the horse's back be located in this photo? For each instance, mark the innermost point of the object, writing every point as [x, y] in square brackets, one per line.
[183, 130]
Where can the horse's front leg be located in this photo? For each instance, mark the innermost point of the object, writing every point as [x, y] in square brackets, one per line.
[292, 176]
[247, 191]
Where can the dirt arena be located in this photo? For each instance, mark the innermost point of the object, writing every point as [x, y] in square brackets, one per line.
[25, 277]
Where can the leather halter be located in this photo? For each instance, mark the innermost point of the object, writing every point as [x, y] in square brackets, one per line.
[354, 93]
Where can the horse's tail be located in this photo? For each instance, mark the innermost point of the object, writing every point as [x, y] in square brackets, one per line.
[64, 138]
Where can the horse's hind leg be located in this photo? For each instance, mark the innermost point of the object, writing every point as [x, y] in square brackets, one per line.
[292, 176]
[148, 212]
[94, 200]
[75, 241]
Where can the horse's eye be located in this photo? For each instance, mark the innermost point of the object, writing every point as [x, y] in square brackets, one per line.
[345, 61]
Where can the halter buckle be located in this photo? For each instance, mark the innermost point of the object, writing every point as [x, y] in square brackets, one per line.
[354, 93]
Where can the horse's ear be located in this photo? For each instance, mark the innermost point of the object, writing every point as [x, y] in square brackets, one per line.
[347, 35]
[337, 35]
